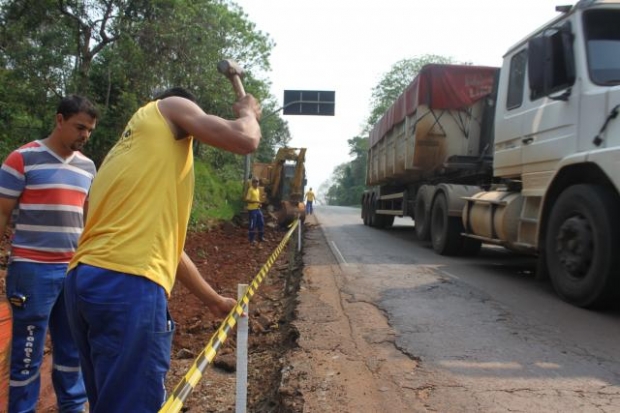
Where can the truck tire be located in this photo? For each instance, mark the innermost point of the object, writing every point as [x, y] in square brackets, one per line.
[582, 244]
[422, 219]
[365, 211]
[378, 220]
[385, 221]
[372, 215]
[445, 230]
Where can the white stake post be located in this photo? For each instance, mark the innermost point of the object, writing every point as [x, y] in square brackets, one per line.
[241, 398]
[299, 225]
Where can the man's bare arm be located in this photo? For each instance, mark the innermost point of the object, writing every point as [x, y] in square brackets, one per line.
[240, 136]
[190, 277]
[6, 208]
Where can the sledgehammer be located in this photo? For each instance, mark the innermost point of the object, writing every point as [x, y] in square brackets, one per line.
[234, 73]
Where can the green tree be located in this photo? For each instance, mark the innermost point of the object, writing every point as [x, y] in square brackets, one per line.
[178, 43]
[120, 53]
[349, 178]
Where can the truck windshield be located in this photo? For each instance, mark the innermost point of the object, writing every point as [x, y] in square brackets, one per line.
[602, 34]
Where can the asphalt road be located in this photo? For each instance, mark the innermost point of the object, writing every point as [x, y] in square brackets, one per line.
[488, 336]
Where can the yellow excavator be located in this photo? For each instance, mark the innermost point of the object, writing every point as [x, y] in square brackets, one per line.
[282, 184]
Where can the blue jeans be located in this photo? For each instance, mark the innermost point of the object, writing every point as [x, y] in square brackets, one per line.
[309, 207]
[42, 286]
[257, 223]
[121, 325]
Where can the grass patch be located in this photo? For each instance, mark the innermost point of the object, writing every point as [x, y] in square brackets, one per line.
[215, 198]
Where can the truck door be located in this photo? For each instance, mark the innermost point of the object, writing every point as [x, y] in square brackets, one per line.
[552, 109]
[508, 115]
[537, 109]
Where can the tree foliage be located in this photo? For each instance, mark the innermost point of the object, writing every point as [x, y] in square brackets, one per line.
[120, 53]
[348, 179]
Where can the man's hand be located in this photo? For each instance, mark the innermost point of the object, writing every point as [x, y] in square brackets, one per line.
[248, 105]
[188, 275]
[222, 307]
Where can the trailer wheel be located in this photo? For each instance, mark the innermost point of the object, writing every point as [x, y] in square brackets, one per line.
[372, 215]
[582, 243]
[422, 219]
[365, 211]
[378, 220]
[445, 230]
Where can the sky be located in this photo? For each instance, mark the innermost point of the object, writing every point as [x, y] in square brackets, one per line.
[348, 45]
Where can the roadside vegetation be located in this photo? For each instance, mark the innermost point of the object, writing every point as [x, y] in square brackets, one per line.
[214, 199]
[120, 54]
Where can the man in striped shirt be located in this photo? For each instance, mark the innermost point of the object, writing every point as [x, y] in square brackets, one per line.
[43, 191]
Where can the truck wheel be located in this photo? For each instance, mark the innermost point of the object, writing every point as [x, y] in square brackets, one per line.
[378, 220]
[582, 243]
[365, 211]
[422, 220]
[445, 230]
[372, 215]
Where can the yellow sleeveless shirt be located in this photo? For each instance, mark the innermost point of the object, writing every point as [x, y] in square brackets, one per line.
[140, 202]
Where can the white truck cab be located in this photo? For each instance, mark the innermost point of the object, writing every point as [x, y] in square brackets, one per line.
[557, 144]
[528, 160]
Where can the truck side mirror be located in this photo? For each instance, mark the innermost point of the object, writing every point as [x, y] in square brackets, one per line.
[551, 62]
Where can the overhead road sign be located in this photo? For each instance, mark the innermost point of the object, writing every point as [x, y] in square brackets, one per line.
[309, 102]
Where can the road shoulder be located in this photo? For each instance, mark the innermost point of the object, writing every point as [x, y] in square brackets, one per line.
[346, 360]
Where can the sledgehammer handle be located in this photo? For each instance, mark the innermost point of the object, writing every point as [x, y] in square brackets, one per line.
[233, 72]
[238, 86]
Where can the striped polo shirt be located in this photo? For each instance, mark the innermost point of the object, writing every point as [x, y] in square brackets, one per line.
[51, 192]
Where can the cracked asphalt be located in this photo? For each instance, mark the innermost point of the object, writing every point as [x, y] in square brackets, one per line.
[388, 326]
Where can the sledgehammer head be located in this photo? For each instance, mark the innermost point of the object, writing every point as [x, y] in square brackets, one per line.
[229, 68]
[234, 73]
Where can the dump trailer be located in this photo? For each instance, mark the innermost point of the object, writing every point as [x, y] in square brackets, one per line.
[526, 156]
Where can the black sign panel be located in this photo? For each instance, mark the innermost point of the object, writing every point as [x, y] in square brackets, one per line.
[309, 102]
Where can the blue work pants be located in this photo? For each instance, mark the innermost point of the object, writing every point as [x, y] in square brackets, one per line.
[257, 224]
[309, 207]
[121, 325]
[41, 287]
